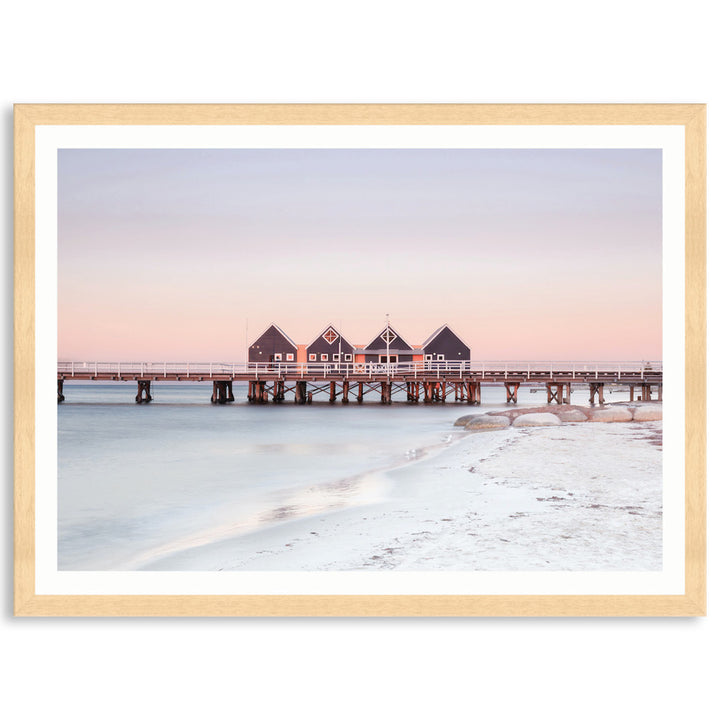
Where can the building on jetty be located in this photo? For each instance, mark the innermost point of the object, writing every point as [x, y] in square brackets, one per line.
[389, 347]
[330, 346]
[444, 345]
[273, 346]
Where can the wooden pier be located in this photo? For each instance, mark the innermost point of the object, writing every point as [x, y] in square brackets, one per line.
[433, 382]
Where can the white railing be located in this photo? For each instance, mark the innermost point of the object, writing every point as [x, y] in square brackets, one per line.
[491, 369]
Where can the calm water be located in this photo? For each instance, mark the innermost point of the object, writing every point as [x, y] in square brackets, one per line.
[138, 482]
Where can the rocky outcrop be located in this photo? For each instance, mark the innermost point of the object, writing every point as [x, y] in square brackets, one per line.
[572, 416]
[536, 419]
[615, 414]
[488, 422]
[465, 419]
[557, 415]
[647, 412]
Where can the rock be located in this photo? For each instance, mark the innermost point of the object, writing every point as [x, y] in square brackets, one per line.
[616, 414]
[572, 415]
[535, 419]
[465, 419]
[488, 422]
[647, 412]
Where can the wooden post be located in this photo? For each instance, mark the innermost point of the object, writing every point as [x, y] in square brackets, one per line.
[597, 388]
[511, 390]
[632, 392]
[230, 396]
[346, 392]
[556, 393]
[301, 392]
[385, 393]
[279, 395]
[143, 393]
[332, 391]
[61, 397]
[660, 392]
[427, 389]
[360, 393]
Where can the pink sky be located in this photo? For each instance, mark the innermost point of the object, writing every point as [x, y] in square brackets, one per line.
[527, 254]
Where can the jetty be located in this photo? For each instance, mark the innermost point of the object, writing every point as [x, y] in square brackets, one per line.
[413, 382]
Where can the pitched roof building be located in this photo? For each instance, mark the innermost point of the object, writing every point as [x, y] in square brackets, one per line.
[388, 340]
[330, 346]
[445, 345]
[273, 346]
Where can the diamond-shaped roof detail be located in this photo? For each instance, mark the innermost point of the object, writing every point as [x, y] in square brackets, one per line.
[330, 336]
[388, 336]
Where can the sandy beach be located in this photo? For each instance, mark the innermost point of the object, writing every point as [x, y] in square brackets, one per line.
[577, 496]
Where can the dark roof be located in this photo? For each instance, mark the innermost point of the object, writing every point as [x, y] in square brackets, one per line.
[439, 330]
[396, 343]
[270, 327]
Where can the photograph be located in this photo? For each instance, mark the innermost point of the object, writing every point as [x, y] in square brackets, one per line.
[311, 359]
[322, 360]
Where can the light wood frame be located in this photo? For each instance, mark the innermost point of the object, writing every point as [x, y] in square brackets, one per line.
[693, 602]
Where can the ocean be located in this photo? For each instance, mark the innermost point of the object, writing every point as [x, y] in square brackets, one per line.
[139, 483]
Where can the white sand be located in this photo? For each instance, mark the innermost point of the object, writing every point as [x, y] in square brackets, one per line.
[574, 497]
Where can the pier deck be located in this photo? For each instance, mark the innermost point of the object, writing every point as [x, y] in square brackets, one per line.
[429, 382]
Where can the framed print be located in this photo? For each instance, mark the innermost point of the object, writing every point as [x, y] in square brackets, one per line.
[360, 360]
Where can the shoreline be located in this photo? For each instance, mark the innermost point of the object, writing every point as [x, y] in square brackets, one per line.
[575, 496]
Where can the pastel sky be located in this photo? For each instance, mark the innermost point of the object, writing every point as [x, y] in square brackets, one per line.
[527, 254]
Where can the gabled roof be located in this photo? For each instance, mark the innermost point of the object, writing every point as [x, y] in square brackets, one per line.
[269, 327]
[343, 339]
[438, 331]
[394, 332]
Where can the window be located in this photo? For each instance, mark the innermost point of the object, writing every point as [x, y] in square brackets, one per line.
[440, 357]
[330, 336]
[348, 357]
[336, 357]
[289, 357]
[428, 358]
[323, 357]
[313, 357]
[278, 357]
[388, 336]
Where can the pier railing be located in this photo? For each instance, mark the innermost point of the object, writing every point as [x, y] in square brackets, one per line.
[494, 370]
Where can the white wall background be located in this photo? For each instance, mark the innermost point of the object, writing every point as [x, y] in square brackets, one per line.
[324, 51]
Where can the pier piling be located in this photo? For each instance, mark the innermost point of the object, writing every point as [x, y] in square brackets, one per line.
[597, 389]
[60, 383]
[143, 393]
[222, 392]
[555, 392]
[511, 391]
